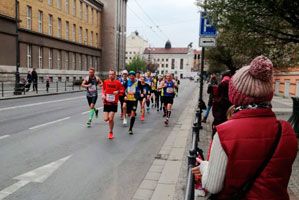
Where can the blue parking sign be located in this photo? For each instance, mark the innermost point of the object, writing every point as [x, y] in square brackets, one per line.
[206, 28]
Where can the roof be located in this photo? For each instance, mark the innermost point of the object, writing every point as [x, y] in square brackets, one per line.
[166, 51]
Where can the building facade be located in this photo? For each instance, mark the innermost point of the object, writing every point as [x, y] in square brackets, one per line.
[178, 61]
[135, 46]
[114, 35]
[286, 82]
[60, 38]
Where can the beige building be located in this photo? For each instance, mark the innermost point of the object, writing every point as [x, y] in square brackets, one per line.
[60, 38]
[135, 46]
[114, 35]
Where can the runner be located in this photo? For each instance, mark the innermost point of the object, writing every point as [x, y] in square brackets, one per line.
[149, 81]
[178, 82]
[168, 88]
[145, 94]
[130, 105]
[123, 81]
[155, 94]
[91, 84]
[138, 75]
[158, 94]
[112, 88]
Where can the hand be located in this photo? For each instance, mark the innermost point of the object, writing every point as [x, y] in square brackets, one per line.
[89, 85]
[125, 98]
[141, 95]
[103, 97]
[196, 173]
[115, 92]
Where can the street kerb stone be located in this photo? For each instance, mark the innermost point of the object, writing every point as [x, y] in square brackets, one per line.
[143, 194]
[170, 172]
[176, 154]
[148, 184]
[164, 192]
[155, 168]
[152, 176]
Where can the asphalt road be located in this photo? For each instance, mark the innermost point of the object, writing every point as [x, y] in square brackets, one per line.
[46, 151]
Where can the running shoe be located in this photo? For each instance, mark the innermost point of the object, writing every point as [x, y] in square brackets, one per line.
[166, 121]
[97, 113]
[110, 136]
[125, 122]
[164, 115]
[130, 132]
[142, 118]
[88, 123]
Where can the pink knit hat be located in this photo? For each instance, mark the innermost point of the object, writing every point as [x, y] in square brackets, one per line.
[252, 83]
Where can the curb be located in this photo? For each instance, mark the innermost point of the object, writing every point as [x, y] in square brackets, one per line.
[38, 95]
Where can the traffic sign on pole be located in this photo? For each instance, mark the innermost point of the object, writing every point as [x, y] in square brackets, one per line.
[206, 28]
[207, 42]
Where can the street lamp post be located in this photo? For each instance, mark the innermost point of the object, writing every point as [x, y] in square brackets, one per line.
[17, 74]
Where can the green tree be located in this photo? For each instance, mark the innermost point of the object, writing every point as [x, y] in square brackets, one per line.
[137, 64]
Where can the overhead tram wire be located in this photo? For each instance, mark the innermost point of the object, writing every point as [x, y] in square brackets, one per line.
[153, 22]
[150, 27]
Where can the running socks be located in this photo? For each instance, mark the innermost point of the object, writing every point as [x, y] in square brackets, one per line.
[91, 113]
[132, 123]
[168, 113]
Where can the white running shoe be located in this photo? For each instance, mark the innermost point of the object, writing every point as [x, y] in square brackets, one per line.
[125, 122]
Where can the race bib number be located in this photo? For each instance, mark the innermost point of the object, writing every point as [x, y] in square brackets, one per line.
[169, 90]
[132, 89]
[131, 97]
[92, 88]
[110, 97]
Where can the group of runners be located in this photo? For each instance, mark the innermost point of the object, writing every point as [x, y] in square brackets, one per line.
[131, 89]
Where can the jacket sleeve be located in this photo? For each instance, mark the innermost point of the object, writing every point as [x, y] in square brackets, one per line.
[213, 171]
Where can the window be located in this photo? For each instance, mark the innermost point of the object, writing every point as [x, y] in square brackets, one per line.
[80, 35]
[86, 13]
[50, 25]
[74, 61]
[29, 56]
[166, 65]
[96, 40]
[29, 17]
[166, 60]
[172, 63]
[58, 60]
[58, 2]
[98, 19]
[158, 59]
[182, 64]
[86, 37]
[91, 38]
[67, 30]
[80, 62]
[95, 63]
[92, 16]
[40, 21]
[74, 32]
[67, 7]
[59, 79]
[50, 58]
[59, 28]
[40, 57]
[162, 65]
[50, 2]
[90, 62]
[74, 7]
[81, 10]
[66, 64]
[162, 60]
[67, 79]
[85, 62]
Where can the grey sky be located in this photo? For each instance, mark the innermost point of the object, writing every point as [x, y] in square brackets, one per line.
[178, 20]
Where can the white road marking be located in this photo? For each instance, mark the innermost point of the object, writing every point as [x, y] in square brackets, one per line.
[4, 136]
[40, 103]
[38, 175]
[84, 113]
[12, 189]
[53, 122]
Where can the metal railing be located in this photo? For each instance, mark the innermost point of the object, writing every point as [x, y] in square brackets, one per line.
[194, 152]
[8, 88]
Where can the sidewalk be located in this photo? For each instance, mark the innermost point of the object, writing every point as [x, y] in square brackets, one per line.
[43, 92]
[166, 178]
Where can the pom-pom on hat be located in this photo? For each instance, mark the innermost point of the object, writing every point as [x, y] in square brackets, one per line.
[252, 83]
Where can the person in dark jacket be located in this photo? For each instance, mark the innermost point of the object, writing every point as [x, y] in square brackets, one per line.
[34, 79]
[29, 81]
[211, 87]
[221, 102]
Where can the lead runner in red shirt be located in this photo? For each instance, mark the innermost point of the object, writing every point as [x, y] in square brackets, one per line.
[112, 88]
